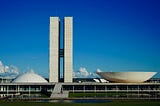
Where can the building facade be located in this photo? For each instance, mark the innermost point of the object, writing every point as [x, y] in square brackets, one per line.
[100, 90]
[55, 52]
[68, 33]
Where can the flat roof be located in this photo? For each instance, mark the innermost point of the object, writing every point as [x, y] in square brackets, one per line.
[83, 83]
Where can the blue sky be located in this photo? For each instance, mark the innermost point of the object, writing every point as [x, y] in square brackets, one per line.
[117, 35]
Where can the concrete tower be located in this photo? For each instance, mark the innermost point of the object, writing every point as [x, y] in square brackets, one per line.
[55, 52]
[68, 32]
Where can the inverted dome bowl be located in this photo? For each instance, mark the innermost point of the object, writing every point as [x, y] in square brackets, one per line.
[126, 77]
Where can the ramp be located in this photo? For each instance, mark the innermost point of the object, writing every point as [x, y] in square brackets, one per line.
[58, 93]
[57, 88]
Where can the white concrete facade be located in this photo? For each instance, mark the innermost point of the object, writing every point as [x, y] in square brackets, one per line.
[68, 39]
[54, 50]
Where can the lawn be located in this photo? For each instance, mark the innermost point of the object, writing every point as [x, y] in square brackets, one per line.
[114, 103]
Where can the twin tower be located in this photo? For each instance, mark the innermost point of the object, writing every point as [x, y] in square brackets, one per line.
[55, 53]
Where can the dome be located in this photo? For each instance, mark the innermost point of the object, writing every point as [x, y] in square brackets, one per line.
[126, 77]
[29, 77]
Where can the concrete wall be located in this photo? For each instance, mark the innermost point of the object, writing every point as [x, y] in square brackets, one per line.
[68, 33]
[54, 50]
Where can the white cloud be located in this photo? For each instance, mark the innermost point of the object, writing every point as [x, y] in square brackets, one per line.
[98, 70]
[8, 71]
[83, 73]
[1, 64]
[2, 68]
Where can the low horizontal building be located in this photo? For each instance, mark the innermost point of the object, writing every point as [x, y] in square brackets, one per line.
[150, 90]
[24, 86]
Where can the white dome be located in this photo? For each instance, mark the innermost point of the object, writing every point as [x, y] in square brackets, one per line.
[29, 77]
